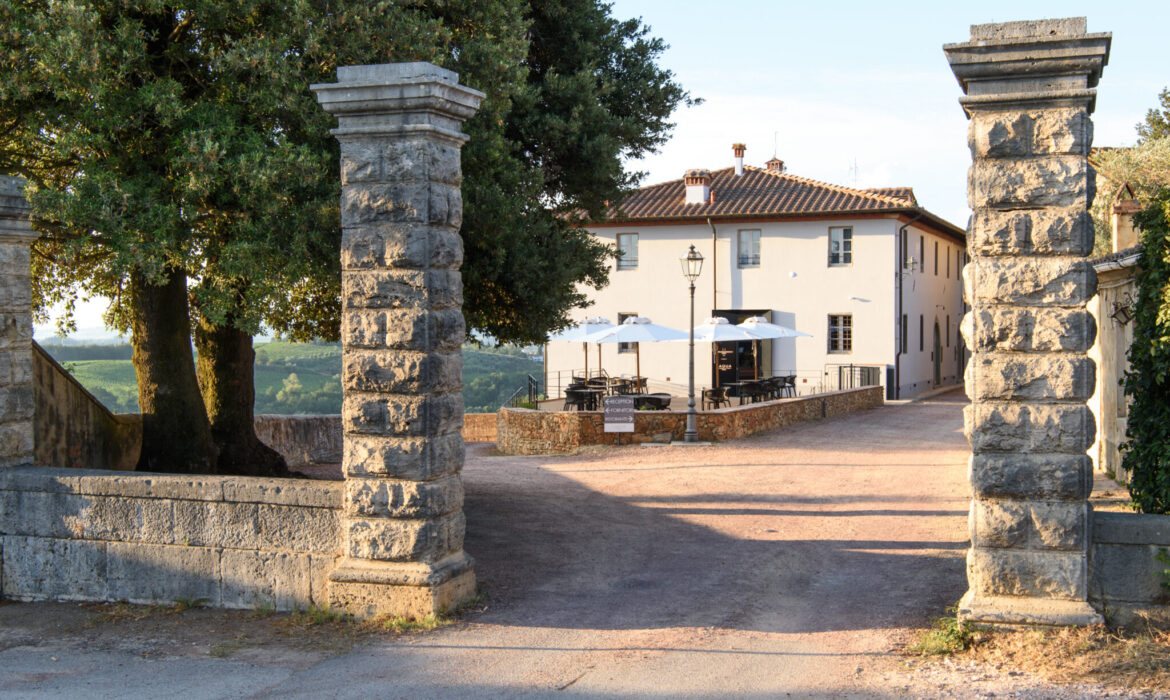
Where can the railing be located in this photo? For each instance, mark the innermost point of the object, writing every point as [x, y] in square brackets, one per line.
[528, 393]
[852, 376]
[560, 379]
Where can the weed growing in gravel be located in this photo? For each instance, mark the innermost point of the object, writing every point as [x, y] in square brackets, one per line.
[411, 624]
[226, 649]
[946, 636]
[315, 615]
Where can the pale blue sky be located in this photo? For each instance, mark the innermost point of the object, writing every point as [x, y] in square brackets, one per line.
[855, 82]
[867, 83]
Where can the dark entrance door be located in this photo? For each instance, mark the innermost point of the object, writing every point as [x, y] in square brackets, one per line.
[737, 361]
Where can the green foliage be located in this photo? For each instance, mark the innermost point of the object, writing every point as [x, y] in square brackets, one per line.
[1157, 122]
[1163, 557]
[1146, 453]
[946, 636]
[1126, 173]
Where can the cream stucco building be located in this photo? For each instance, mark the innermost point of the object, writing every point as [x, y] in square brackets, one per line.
[870, 275]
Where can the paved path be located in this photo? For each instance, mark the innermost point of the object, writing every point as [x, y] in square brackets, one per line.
[789, 562]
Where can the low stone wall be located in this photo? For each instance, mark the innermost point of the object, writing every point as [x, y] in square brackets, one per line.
[1125, 578]
[71, 428]
[523, 431]
[234, 542]
[302, 440]
[479, 427]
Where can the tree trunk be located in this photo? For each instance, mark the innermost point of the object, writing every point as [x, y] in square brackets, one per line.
[176, 436]
[226, 362]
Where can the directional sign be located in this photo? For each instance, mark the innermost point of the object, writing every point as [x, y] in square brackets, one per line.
[619, 414]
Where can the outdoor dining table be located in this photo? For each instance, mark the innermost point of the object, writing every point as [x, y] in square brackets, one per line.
[592, 397]
[656, 402]
[740, 385]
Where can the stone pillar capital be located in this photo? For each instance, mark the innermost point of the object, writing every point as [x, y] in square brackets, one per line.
[1033, 64]
[398, 99]
[14, 212]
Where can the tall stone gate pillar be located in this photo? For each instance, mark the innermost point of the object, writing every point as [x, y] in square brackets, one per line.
[16, 382]
[1029, 91]
[402, 328]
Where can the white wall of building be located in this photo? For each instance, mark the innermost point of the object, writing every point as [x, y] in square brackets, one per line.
[795, 282]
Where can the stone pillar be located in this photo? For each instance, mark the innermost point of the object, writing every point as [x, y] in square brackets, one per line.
[16, 381]
[402, 328]
[1029, 92]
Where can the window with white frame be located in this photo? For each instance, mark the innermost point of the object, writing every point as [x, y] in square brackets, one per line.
[840, 245]
[622, 316]
[749, 247]
[840, 333]
[628, 248]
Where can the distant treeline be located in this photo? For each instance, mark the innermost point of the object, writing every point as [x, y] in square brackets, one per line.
[73, 353]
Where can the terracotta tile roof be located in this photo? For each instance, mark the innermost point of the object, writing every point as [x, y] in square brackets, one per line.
[760, 192]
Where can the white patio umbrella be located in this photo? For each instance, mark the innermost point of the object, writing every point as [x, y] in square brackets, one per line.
[580, 333]
[718, 330]
[761, 328]
[637, 330]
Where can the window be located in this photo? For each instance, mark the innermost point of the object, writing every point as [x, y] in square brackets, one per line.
[628, 247]
[905, 251]
[841, 245]
[921, 337]
[905, 334]
[948, 263]
[948, 322]
[922, 253]
[749, 248]
[841, 333]
[625, 347]
[936, 258]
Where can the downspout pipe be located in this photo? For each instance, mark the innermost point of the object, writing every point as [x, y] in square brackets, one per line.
[900, 263]
[714, 292]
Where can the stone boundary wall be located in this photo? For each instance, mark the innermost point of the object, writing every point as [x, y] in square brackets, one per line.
[233, 542]
[524, 431]
[1125, 579]
[480, 427]
[302, 439]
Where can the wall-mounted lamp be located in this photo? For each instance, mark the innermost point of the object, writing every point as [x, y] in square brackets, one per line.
[1123, 310]
[910, 264]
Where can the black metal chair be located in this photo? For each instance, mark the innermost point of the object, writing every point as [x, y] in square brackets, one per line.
[788, 386]
[715, 398]
[575, 400]
[772, 386]
[752, 392]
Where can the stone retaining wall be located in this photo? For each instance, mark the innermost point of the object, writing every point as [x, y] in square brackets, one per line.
[524, 431]
[233, 542]
[479, 427]
[1125, 579]
[302, 440]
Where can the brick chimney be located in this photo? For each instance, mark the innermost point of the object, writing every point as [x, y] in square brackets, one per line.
[775, 165]
[698, 186]
[737, 150]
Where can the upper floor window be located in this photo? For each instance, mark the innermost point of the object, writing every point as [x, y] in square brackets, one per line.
[628, 249]
[749, 247]
[840, 333]
[841, 245]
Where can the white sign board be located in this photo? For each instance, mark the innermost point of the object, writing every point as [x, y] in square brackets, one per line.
[619, 414]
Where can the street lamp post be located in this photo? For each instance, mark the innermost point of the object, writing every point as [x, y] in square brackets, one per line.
[692, 264]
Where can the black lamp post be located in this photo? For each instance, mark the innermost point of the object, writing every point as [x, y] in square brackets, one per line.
[692, 264]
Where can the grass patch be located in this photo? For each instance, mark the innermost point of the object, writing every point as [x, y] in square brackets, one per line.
[315, 616]
[118, 612]
[946, 636]
[403, 625]
[222, 650]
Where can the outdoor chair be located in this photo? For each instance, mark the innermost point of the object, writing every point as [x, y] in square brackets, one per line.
[574, 400]
[752, 392]
[772, 386]
[715, 398]
[788, 385]
[623, 387]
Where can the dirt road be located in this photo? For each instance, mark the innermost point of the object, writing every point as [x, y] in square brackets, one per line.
[791, 562]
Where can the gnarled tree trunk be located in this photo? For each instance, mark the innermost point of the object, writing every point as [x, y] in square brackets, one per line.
[226, 362]
[176, 436]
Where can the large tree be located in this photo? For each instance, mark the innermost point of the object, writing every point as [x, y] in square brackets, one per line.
[170, 144]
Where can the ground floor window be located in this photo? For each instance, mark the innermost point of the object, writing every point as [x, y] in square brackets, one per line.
[622, 316]
[840, 333]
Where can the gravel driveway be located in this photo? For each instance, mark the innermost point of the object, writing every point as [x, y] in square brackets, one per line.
[788, 563]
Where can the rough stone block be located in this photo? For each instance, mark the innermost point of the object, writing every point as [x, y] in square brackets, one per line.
[417, 459]
[16, 329]
[37, 514]
[1028, 29]
[1031, 232]
[401, 372]
[1030, 524]
[41, 568]
[16, 443]
[43, 479]
[404, 160]
[1128, 573]
[1047, 376]
[320, 566]
[401, 246]
[1037, 281]
[400, 202]
[393, 289]
[1015, 134]
[994, 426]
[1033, 477]
[369, 600]
[287, 492]
[299, 529]
[386, 539]
[1014, 572]
[207, 524]
[149, 485]
[143, 573]
[120, 519]
[420, 330]
[18, 362]
[1049, 181]
[281, 580]
[15, 258]
[16, 403]
[392, 498]
[445, 206]
[1029, 329]
[404, 415]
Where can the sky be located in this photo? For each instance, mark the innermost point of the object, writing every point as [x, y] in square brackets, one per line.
[853, 93]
